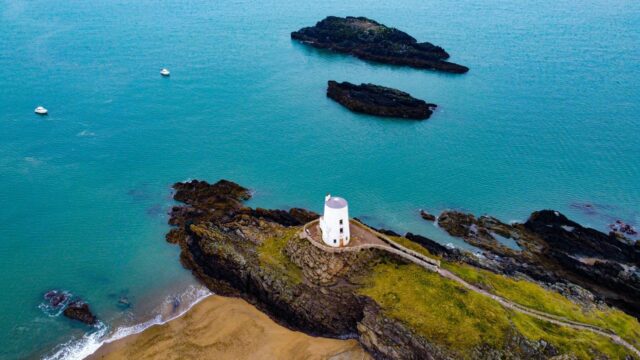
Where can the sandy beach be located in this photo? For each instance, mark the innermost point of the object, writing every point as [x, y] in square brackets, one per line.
[227, 328]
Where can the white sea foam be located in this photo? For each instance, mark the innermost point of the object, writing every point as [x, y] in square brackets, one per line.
[86, 133]
[171, 308]
[33, 160]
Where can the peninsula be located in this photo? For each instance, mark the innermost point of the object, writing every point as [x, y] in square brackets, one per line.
[379, 100]
[369, 40]
[399, 298]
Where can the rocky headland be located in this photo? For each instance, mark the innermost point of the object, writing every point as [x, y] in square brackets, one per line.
[394, 308]
[370, 40]
[555, 250]
[379, 100]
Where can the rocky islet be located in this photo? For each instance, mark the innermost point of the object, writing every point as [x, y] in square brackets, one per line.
[369, 40]
[379, 100]
[71, 306]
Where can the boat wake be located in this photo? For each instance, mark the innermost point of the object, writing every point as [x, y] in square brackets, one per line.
[172, 307]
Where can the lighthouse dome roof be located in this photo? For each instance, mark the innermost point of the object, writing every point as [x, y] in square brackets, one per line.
[336, 202]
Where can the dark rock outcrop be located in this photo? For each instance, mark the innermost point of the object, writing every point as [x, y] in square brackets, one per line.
[72, 307]
[79, 310]
[56, 298]
[623, 228]
[379, 100]
[370, 40]
[425, 215]
[556, 252]
[566, 236]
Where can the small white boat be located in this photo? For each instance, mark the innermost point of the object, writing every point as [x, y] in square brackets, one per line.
[41, 110]
[165, 72]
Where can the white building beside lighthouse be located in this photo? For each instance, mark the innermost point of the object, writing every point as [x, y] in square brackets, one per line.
[334, 224]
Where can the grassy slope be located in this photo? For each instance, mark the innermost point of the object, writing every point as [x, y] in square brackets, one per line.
[271, 254]
[536, 297]
[446, 313]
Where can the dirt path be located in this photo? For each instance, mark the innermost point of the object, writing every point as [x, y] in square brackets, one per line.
[542, 315]
[385, 243]
[420, 260]
[523, 309]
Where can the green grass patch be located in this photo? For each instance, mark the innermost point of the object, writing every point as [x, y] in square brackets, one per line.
[271, 254]
[583, 344]
[536, 297]
[447, 314]
[413, 246]
[437, 308]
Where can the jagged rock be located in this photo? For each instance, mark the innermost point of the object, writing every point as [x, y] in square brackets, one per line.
[379, 100]
[72, 307]
[303, 216]
[556, 251]
[481, 232]
[623, 228]
[56, 298]
[370, 40]
[79, 310]
[425, 215]
[293, 217]
[579, 295]
[570, 237]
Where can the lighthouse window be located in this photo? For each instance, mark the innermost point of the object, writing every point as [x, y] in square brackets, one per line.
[341, 230]
[334, 241]
[340, 221]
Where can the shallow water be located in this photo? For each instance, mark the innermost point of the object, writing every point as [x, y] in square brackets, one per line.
[546, 118]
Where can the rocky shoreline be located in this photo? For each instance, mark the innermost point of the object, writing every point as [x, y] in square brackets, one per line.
[556, 251]
[369, 40]
[256, 254]
[379, 100]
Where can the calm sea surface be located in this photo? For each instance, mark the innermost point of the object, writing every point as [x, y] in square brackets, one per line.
[547, 117]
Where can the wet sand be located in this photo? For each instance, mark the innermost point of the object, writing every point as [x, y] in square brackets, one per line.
[227, 328]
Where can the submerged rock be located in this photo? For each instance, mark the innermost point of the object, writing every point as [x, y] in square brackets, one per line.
[379, 100]
[370, 40]
[79, 310]
[56, 298]
[124, 303]
[623, 228]
[72, 307]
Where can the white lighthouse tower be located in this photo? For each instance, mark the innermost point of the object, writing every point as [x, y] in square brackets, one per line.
[334, 224]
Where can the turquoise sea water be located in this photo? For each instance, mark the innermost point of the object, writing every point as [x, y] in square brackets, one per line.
[547, 117]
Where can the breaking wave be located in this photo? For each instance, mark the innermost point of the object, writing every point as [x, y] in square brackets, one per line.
[172, 307]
